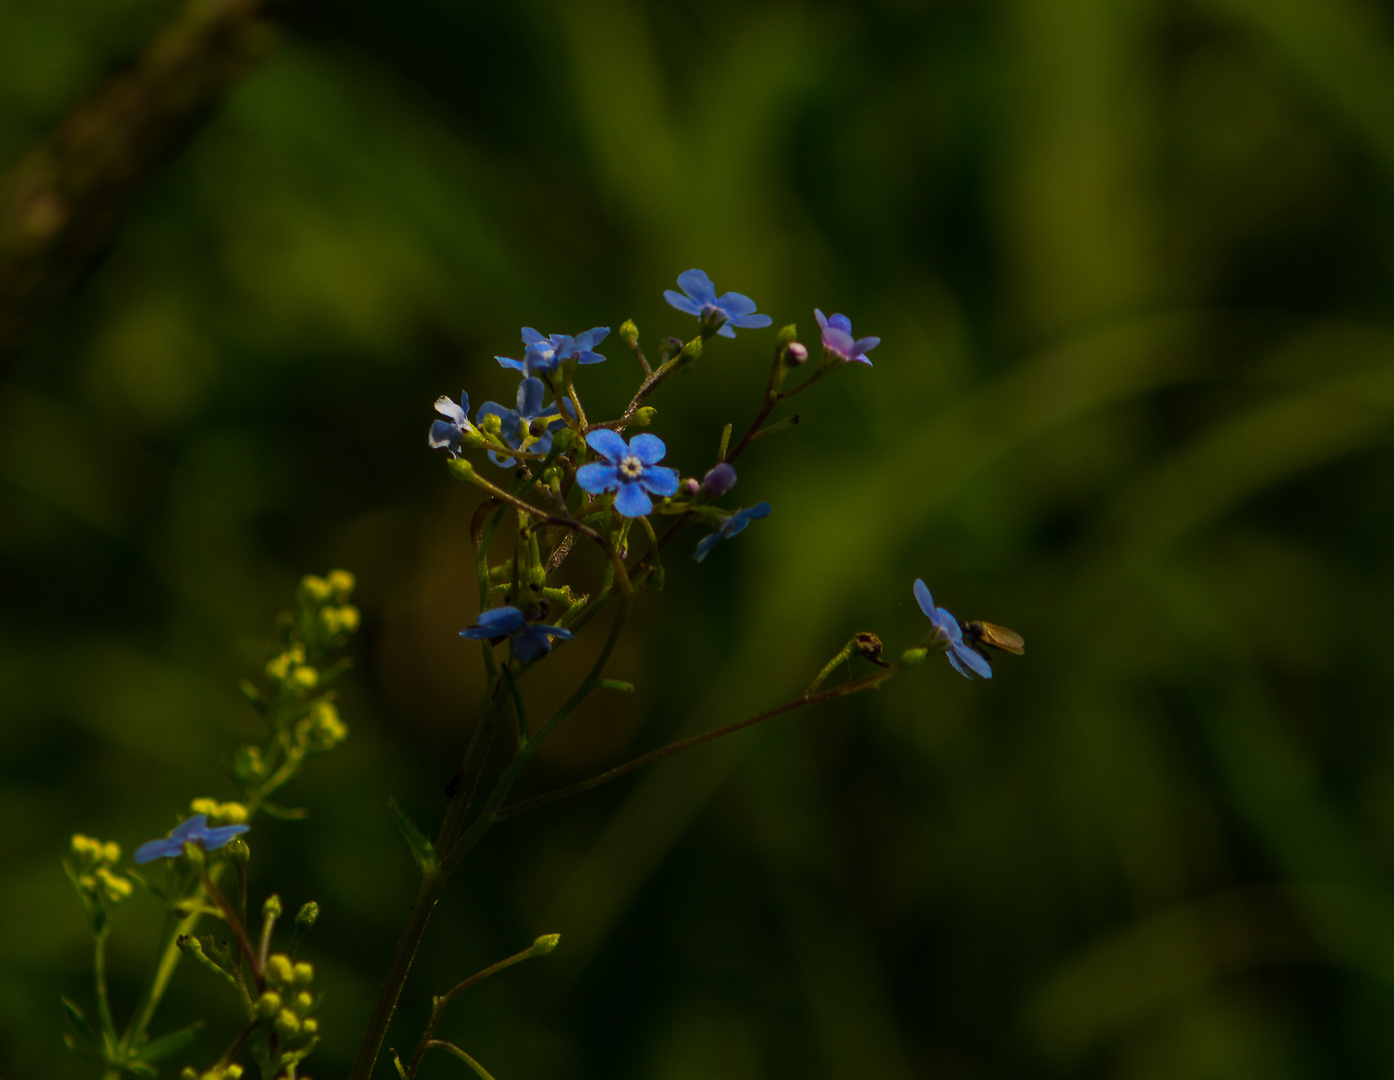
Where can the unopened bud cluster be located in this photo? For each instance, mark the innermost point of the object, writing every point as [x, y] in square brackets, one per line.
[91, 871]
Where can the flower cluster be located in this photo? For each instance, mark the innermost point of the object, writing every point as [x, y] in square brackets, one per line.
[578, 478]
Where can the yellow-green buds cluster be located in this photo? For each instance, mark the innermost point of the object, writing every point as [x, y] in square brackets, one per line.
[91, 871]
[228, 813]
[322, 730]
[217, 1072]
[290, 671]
[327, 617]
[287, 1001]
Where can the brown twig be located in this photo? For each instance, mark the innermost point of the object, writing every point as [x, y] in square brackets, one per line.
[62, 205]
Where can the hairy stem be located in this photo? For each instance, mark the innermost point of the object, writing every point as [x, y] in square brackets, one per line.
[867, 682]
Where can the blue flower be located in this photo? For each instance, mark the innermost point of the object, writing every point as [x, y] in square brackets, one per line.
[701, 300]
[193, 831]
[515, 423]
[449, 432]
[527, 640]
[838, 341]
[545, 353]
[948, 634]
[732, 525]
[629, 468]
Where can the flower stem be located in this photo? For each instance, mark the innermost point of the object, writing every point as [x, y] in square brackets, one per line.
[866, 682]
[438, 1004]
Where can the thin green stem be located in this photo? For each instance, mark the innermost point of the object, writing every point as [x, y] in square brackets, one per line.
[99, 984]
[438, 1004]
[831, 666]
[451, 1048]
[867, 682]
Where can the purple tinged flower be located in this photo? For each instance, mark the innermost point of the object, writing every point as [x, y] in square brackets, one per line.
[720, 480]
[193, 831]
[450, 431]
[730, 527]
[630, 468]
[948, 634]
[732, 308]
[544, 354]
[515, 423]
[838, 341]
[527, 640]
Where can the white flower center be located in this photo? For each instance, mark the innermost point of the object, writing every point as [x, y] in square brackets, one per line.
[630, 468]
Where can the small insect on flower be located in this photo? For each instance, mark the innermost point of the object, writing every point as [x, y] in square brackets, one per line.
[978, 633]
[949, 637]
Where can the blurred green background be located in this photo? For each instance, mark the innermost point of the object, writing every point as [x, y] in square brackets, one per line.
[1132, 262]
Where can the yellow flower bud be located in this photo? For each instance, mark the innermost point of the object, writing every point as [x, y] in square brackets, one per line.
[342, 582]
[116, 888]
[304, 1002]
[303, 974]
[268, 1005]
[111, 852]
[232, 1072]
[316, 589]
[85, 846]
[278, 969]
[307, 677]
[309, 1026]
[287, 1023]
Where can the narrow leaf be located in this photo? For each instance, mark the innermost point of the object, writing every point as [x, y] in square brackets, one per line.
[422, 851]
[169, 1045]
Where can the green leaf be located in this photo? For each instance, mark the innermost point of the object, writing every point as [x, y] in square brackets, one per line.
[139, 1068]
[253, 696]
[422, 851]
[169, 1045]
[80, 1038]
[284, 813]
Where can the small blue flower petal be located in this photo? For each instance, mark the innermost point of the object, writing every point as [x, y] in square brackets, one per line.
[660, 480]
[964, 658]
[647, 448]
[598, 476]
[632, 501]
[528, 641]
[734, 309]
[193, 830]
[609, 444]
[732, 526]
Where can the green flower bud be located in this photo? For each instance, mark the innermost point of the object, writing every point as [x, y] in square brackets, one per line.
[232, 1072]
[545, 944]
[912, 658]
[268, 1005]
[629, 333]
[309, 1026]
[304, 1002]
[691, 351]
[303, 974]
[462, 469]
[306, 917]
[271, 909]
[643, 417]
[247, 764]
[188, 1072]
[237, 851]
[493, 424]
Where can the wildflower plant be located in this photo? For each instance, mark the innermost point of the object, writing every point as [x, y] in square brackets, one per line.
[574, 478]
